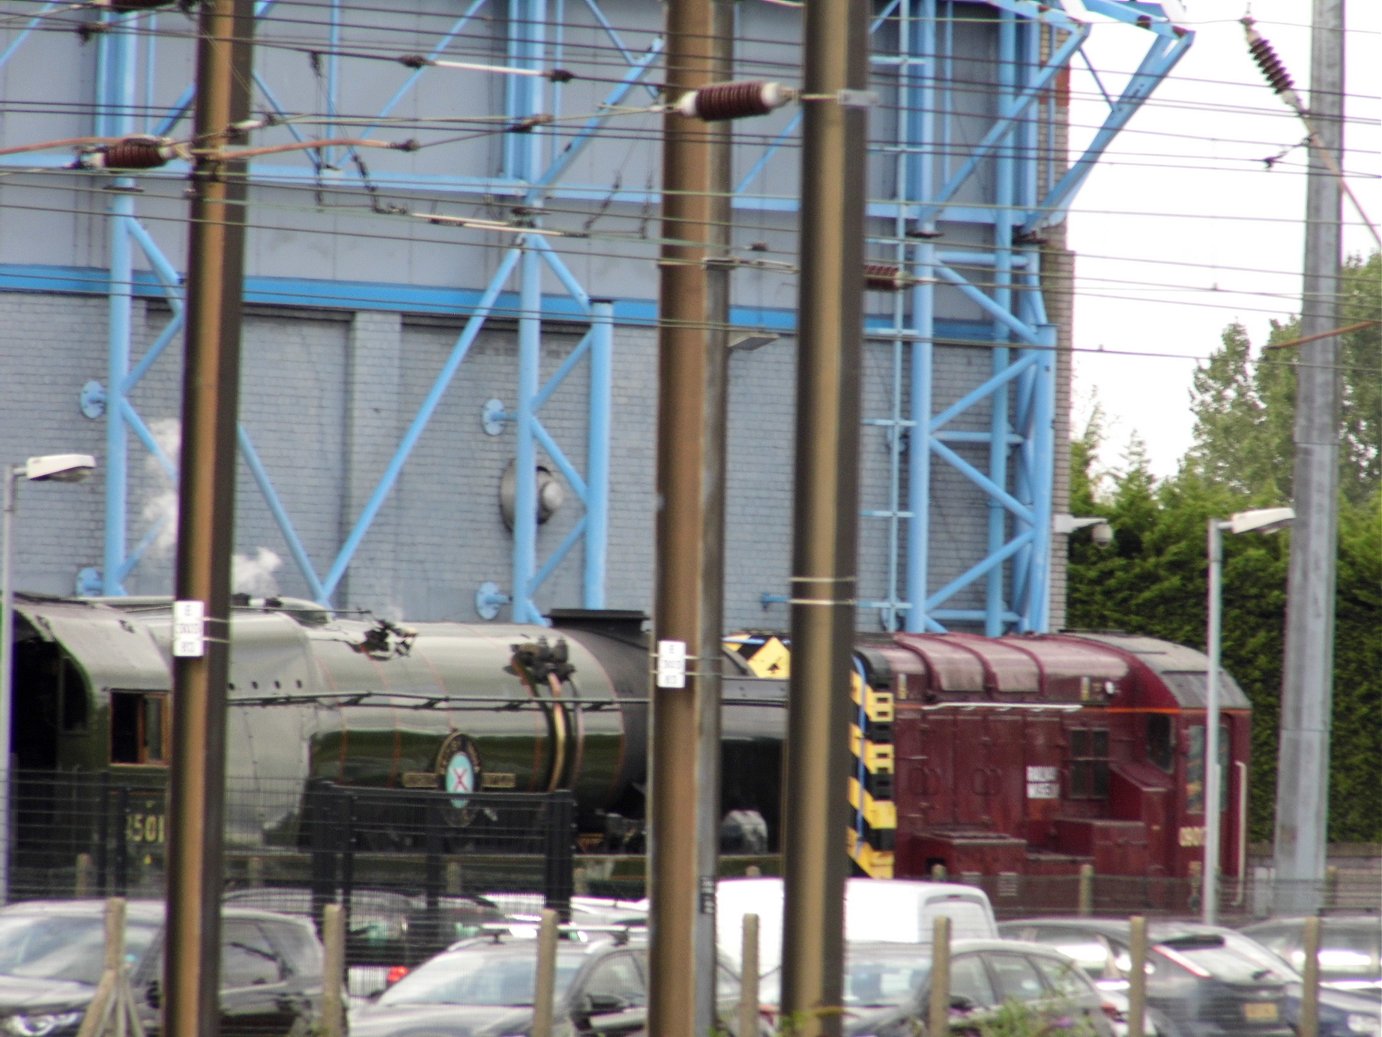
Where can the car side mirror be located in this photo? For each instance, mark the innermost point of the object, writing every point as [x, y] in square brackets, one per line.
[603, 1004]
[960, 1003]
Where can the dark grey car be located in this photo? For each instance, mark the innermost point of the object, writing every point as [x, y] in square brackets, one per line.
[52, 953]
[887, 989]
[485, 987]
[1197, 985]
[1350, 955]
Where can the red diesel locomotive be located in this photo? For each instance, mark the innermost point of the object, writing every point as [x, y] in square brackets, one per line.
[1036, 755]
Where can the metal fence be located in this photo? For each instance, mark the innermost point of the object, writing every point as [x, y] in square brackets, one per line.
[103, 835]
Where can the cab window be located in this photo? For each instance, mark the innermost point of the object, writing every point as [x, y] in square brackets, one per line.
[139, 727]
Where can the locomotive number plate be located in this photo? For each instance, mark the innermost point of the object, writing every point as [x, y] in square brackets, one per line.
[144, 828]
[1260, 1012]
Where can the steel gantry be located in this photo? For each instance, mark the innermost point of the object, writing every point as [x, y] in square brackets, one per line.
[1010, 460]
[1001, 189]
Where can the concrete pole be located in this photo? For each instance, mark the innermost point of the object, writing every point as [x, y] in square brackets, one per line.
[1302, 801]
[206, 521]
[688, 601]
[1213, 790]
[824, 552]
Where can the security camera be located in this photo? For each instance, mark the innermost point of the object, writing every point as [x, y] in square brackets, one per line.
[1101, 534]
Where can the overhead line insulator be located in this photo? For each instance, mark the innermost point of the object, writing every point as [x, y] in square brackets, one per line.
[884, 277]
[739, 100]
[1272, 66]
[130, 153]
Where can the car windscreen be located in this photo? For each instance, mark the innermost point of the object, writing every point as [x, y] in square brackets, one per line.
[477, 976]
[875, 977]
[63, 947]
[873, 980]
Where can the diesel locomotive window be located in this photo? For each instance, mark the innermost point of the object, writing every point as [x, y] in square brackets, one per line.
[139, 727]
[1194, 771]
[1088, 763]
[1161, 741]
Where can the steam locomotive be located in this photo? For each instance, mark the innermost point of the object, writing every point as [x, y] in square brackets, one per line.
[1022, 754]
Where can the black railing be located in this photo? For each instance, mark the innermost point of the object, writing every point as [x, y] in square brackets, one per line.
[104, 835]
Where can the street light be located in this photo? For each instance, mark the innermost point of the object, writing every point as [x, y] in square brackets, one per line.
[46, 468]
[1262, 520]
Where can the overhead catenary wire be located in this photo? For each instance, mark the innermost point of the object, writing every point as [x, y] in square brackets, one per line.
[305, 6]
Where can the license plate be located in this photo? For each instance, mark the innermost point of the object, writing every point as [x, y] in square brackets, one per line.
[1260, 1012]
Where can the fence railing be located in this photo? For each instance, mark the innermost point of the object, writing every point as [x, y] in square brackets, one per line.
[105, 835]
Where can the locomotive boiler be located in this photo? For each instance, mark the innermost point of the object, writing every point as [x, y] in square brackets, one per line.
[1032, 754]
[316, 698]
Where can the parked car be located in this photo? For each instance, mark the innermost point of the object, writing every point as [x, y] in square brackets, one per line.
[887, 990]
[52, 954]
[1198, 985]
[1340, 1013]
[876, 910]
[485, 987]
[1350, 955]
[387, 931]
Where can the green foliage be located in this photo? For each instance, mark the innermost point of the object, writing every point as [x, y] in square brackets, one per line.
[1152, 579]
[1025, 1019]
[1244, 404]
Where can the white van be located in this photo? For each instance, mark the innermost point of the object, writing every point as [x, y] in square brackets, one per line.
[882, 910]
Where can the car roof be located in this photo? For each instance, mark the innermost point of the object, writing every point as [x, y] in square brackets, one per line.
[135, 910]
[923, 951]
[1108, 926]
[1372, 923]
[1157, 928]
[579, 940]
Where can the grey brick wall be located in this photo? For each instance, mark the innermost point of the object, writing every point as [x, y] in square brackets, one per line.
[326, 398]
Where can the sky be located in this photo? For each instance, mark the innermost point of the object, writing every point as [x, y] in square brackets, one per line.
[1183, 229]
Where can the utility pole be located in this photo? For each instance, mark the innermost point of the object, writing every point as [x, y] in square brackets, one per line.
[206, 521]
[825, 530]
[689, 595]
[1302, 795]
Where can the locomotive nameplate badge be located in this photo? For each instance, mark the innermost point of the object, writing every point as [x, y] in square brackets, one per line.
[458, 765]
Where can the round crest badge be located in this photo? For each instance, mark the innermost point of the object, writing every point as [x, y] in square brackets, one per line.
[458, 766]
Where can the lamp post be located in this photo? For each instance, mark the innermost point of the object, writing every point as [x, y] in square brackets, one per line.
[47, 468]
[1262, 520]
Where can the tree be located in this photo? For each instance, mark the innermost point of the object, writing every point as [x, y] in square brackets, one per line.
[1152, 579]
[1244, 405]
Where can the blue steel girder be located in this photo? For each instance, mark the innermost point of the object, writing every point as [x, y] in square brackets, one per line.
[1011, 577]
[527, 173]
[1017, 394]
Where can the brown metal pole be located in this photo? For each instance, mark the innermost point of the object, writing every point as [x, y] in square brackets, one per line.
[688, 601]
[206, 511]
[825, 530]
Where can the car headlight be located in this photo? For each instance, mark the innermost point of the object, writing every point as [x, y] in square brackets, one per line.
[1365, 1024]
[40, 1025]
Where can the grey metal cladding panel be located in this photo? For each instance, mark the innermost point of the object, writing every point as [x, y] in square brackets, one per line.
[113, 650]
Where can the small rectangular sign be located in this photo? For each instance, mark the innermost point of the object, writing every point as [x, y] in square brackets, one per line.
[671, 664]
[189, 629]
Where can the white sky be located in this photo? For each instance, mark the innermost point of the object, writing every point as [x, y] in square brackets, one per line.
[1181, 229]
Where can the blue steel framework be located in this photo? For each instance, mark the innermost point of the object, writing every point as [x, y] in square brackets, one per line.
[1017, 395]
